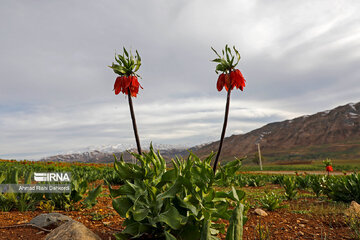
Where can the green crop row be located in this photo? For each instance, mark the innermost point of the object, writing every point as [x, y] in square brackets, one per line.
[29, 201]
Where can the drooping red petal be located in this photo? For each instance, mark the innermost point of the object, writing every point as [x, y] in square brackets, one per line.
[125, 84]
[240, 80]
[228, 84]
[220, 82]
[137, 83]
[234, 79]
[134, 90]
[134, 81]
[134, 86]
[117, 85]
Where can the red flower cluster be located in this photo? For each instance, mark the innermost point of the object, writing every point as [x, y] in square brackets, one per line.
[234, 79]
[329, 168]
[124, 83]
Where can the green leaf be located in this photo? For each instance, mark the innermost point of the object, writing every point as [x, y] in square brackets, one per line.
[137, 66]
[234, 195]
[118, 69]
[215, 52]
[220, 68]
[121, 59]
[90, 200]
[14, 177]
[167, 177]
[132, 229]
[123, 190]
[221, 196]
[2, 178]
[121, 236]
[241, 194]
[127, 171]
[235, 229]
[237, 55]
[222, 210]
[140, 214]
[205, 232]
[172, 191]
[172, 218]
[169, 236]
[122, 205]
[83, 187]
[218, 60]
[188, 205]
[118, 60]
[27, 178]
[126, 53]
[138, 56]
[227, 55]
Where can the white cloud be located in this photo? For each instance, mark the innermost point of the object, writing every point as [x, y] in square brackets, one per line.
[60, 129]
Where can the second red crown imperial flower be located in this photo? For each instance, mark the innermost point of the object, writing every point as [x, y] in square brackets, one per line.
[124, 83]
[229, 81]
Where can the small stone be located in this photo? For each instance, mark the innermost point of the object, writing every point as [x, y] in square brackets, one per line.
[260, 212]
[302, 225]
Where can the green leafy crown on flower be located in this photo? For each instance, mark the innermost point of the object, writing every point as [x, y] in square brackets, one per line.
[127, 64]
[226, 62]
[327, 162]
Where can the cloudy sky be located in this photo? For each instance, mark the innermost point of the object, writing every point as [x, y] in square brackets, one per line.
[298, 57]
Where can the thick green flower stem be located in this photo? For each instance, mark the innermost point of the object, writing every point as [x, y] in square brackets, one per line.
[223, 130]
[134, 123]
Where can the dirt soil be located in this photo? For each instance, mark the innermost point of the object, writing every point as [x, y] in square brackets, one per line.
[281, 224]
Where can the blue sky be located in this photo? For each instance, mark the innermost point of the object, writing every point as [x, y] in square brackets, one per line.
[298, 57]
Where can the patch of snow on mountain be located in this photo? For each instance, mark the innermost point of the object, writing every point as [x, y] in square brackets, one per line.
[324, 113]
[353, 115]
[94, 150]
[352, 105]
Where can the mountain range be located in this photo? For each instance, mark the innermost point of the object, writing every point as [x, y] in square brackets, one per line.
[333, 133]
